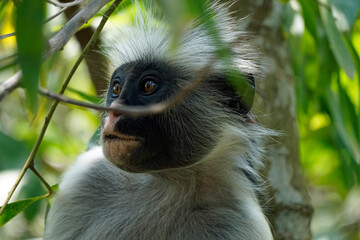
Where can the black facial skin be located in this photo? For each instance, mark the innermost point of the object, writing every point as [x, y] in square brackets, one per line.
[167, 140]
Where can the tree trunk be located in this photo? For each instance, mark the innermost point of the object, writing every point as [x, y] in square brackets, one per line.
[290, 211]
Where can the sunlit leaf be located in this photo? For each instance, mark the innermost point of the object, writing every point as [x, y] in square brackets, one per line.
[3, 5]
[339, 123]
[357, 64]
[13, 209]
[30, 42]
[349, 113]
[338, 45]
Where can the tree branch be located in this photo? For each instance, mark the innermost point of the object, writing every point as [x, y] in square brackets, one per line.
[10, 84]
[42, 179]
[7, 35]
[56, 14]
[64, 5]
[31, 157]
[136, 111]
[58, 41]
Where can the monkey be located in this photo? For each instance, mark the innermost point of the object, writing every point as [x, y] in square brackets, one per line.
[189, 172]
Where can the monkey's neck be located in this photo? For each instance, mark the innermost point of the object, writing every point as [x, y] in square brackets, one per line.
[210, 182]
[221, 173]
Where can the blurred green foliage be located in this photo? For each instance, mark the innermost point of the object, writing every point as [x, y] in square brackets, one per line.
[324, 39]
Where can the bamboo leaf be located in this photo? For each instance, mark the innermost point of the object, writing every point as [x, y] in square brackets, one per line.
[339, 123]
[337, 43]
[93, 99]
[12, 152]
[30, 42]
[346, 12]
[13, 209]
[349, 113]
[94, 140]
[309, 14]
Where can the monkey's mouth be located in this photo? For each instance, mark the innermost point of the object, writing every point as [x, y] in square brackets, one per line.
[119, 137]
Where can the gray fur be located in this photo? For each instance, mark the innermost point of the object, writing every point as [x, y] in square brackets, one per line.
[210, 198]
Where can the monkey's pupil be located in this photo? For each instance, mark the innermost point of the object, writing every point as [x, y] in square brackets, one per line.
[149, 86]
[117, 89]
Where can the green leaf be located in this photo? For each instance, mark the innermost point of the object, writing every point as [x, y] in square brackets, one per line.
[337, 43]
[347, 11]
[93, 99]
[12, 152]
[94, 141]
[55, 187]
[309, 15]
[30, 42]
[357, 64]
[3, 8]
[349, 113]
[13, 209]
[339, 122]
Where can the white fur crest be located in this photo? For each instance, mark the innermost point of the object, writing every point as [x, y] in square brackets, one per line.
[147, 37]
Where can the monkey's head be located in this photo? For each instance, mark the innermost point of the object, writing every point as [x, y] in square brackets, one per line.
[148, 71]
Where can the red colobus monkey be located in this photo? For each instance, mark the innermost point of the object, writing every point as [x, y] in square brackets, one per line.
[187, 173]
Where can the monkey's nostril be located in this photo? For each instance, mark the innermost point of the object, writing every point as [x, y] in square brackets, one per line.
[114, 114]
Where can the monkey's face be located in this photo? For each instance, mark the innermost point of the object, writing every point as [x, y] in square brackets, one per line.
[176, 138]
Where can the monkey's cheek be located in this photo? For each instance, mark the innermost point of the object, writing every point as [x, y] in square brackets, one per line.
[119, 151]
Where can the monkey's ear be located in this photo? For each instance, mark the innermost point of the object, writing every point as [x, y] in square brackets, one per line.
[241, 95]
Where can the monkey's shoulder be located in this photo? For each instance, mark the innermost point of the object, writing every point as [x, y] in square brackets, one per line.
[92, 173]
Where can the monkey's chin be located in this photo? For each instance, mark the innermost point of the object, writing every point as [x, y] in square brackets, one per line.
[118, 147]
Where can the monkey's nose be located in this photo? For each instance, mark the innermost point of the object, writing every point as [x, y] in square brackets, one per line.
[114, 116]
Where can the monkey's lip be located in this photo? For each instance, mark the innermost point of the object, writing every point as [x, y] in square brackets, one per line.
[114, 136]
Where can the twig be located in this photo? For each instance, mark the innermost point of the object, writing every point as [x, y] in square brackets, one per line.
[10, 84]
[63, 5]
[42, 179]
[136, 111]
[58, 41]
[56, 14]
[7, 35]
[31, 157]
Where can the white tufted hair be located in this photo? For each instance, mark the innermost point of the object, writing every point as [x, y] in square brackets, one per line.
[148, 36]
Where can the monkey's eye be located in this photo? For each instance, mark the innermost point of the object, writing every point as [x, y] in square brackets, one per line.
[116, 89]
[148, 85]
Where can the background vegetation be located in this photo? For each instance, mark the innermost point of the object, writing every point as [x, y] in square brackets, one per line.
[324, 37]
